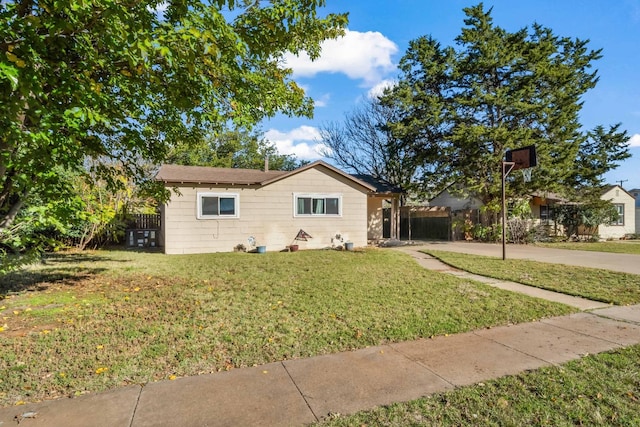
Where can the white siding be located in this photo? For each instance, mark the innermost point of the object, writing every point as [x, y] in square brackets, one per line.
[266, 213]
[617, 195]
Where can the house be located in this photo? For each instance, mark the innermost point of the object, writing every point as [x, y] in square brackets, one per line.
[455, 201]
[636, 193]
[541, 204]
[219, 209]
[625, 204]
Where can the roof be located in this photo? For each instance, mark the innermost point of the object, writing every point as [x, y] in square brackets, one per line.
[208, 175]
[382, 186]
[547, 195]
[179, 174]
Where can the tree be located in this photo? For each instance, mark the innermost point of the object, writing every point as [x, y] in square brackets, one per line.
[364, 144]
[599, 150]
[232, 149]
[112, 79]
[125, 79]
[461, 108]
[588, 215]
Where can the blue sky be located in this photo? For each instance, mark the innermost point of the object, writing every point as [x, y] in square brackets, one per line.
[379, 32]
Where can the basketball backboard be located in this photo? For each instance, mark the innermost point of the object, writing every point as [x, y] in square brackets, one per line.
[522, 157]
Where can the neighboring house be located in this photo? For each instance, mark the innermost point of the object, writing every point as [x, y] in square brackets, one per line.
[541, 204]
[217, 209]
[456, 202]
[636, 193]
[625, 204]
[542, 207]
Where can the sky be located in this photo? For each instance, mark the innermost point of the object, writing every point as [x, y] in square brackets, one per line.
[365, 60]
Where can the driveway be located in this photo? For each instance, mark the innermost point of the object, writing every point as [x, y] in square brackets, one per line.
[625, 263]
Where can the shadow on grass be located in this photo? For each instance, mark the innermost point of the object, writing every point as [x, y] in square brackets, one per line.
[56, 268]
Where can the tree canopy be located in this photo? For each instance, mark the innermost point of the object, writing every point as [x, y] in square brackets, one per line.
[121, 79]
[237, 148]
[462, 107]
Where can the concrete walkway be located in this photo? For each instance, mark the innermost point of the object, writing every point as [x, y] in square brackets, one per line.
[298, 392]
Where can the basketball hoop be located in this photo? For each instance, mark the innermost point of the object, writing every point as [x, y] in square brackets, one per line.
[526, 174]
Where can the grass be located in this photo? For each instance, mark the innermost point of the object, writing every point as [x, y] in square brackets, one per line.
[88, 322]
[619, 247]
[596, 284]
[597, 390]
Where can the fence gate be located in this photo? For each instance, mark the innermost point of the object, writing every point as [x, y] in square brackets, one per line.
[425, 223]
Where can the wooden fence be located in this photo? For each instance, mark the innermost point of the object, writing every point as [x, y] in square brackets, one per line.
[143, 222]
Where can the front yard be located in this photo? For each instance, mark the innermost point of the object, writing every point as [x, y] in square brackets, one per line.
[92, 321]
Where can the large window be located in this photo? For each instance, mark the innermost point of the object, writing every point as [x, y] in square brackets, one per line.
[218, 205]
[317, 205]
[620, 219]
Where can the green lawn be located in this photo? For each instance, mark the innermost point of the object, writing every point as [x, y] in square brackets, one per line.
[619, 247]
[595, 284]
[92, 321]
[598, 390]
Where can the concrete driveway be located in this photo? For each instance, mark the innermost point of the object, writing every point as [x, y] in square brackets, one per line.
[625, 263]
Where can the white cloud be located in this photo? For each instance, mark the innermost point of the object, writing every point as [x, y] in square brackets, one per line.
[322, 101]
[378, 89]
[634, 141]
[361, 56]
[302, 142]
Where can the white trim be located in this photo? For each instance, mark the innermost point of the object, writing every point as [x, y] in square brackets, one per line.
[325, 196]
[236, 205]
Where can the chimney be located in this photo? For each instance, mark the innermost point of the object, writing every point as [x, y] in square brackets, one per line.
[266, 163]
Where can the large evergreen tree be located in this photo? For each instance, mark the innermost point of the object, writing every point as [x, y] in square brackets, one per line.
[463, 107]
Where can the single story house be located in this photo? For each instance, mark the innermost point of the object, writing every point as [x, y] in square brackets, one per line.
[625, 204]
[219, 209]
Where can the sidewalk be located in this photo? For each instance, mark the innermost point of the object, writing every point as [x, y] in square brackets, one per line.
[298, 392]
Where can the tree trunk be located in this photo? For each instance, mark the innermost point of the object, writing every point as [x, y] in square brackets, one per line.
[11, 215]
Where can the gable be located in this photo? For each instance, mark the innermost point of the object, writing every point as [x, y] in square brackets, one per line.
[617, 194]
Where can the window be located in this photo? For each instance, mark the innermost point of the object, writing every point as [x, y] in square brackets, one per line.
[620, 219]
[317, 205]
[218, 205]
[545, 214]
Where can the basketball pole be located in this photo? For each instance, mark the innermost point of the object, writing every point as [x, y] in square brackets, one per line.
[505, 172]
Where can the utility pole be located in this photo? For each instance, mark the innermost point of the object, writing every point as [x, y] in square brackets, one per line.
[621, 181]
